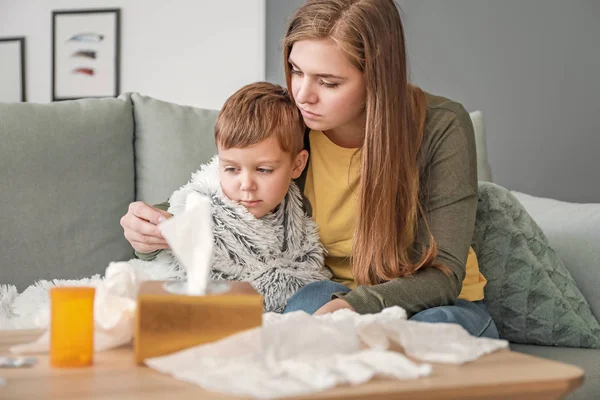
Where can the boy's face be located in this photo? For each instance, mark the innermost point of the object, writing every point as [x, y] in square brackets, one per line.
[258, 177]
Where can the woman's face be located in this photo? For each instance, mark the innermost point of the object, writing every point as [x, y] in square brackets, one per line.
[327, 88]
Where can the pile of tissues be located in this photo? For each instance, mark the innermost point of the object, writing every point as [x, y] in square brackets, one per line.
[290, 354]
[296, 353]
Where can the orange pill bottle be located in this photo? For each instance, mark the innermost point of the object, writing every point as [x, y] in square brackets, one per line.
[72, 326]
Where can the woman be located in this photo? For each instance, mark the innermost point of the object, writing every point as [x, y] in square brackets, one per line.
[391, 178]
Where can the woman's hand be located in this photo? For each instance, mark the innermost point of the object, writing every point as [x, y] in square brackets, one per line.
[140, 226]
[333, 305]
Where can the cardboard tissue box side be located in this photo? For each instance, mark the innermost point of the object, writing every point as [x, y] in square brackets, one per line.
[167, 322]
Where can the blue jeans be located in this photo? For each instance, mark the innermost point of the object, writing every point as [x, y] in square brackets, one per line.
[471, 315]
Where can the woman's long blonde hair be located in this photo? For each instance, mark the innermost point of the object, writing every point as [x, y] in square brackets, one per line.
[370, 33]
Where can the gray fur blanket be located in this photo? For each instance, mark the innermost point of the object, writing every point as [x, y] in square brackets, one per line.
[277, 254]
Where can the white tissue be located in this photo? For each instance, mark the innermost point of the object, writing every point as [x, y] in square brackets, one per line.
[114, 311]
[190, 237]
[294, 354]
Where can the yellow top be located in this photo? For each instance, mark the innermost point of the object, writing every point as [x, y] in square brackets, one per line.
[332, 188]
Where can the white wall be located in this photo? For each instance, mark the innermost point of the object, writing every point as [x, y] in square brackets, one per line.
[195, 52]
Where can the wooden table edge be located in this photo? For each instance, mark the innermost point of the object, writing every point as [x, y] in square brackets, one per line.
[562, 386]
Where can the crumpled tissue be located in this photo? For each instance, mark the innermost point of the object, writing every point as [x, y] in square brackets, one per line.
[114, 311]
[296, 353]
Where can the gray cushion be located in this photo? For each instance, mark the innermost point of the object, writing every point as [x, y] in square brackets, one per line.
[67, 178]
[530, 294]
[573, 230]
[171, 142]
[588, 360]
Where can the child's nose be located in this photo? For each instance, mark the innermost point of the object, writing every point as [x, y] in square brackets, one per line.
[247, 183]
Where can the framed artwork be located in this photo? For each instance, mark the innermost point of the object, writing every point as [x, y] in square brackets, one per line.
[12, 70]
[85, 53]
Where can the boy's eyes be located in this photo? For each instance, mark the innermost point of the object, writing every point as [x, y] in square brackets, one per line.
[261, 170]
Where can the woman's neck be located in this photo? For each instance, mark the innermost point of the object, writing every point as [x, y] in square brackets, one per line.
[349, 136]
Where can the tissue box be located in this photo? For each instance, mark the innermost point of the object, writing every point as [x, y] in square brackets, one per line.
[168, 322]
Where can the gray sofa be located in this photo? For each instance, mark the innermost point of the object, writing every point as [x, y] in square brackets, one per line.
[70, 169]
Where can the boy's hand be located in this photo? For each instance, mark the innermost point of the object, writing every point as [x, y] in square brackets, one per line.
[140, 227]
[333, 305]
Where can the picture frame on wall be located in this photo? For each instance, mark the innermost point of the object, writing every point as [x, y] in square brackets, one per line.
[86, 46]
[12, 70]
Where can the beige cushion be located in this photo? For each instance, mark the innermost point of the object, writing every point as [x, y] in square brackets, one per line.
[171, 142]
[484, 171]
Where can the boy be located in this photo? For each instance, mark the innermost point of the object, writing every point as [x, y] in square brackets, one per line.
[261, 233]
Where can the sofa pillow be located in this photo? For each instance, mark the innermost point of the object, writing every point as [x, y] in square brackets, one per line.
[171, 142]
[66, 178]
[573, 230]
[484, 171]
[530, 294]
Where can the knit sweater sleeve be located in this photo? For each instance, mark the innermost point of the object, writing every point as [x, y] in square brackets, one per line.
[449, 182]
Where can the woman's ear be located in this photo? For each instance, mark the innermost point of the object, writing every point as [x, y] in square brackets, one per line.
[299, 164]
